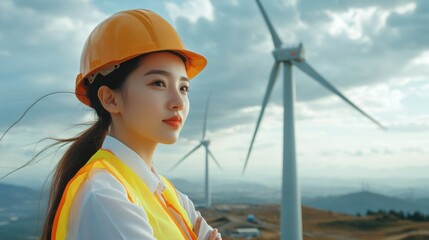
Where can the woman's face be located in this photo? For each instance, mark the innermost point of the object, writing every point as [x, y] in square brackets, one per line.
[156, 90]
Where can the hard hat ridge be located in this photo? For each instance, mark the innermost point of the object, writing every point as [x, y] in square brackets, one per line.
[126, 35]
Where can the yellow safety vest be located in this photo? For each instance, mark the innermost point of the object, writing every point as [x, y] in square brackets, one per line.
[163, 223]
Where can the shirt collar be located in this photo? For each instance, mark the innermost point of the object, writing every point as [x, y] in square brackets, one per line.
[135, 162]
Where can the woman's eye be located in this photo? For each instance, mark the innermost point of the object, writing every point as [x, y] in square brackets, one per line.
[158, 82]
[186, 88]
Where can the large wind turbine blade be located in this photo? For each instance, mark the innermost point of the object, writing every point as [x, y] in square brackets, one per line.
[205, 115]
[305, 67]
[184, 157]
[217, 163]
[276, 39]
[270, 86]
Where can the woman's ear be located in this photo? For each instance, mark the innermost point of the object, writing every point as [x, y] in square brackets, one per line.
[108, 98]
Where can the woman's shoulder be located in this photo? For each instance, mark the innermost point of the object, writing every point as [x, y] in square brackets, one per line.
[99, 190]
[102, 200]
[101, 181]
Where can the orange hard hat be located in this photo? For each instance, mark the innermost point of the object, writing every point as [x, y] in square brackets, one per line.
[125, 35]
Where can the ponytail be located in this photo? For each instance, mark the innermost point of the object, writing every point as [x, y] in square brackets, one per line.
[83, 147]
[86, 143]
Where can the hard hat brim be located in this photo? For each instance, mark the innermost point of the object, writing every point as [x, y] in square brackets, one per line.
[195, 63]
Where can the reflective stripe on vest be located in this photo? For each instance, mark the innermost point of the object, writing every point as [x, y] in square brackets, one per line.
[163, 223]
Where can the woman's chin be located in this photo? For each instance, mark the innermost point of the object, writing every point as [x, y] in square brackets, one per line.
[169, 139]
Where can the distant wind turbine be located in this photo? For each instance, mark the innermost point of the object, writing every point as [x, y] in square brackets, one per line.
[291, 223]
[204, 142]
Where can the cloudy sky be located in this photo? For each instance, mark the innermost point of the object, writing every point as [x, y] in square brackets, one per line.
[377, 54]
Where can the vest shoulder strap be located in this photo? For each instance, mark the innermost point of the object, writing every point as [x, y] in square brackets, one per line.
[61, 216]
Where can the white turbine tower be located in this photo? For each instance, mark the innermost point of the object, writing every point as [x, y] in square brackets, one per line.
[290, 220]
[204, 142]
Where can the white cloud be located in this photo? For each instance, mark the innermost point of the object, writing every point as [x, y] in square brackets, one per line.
[192, 10]
[353, 23]
[422, 59]
[419, 123]
[406, 80]
[359, 23]
[378, 98]
[404, 9]
[373, 99]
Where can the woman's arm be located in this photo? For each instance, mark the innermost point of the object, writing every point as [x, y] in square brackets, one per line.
[205, 229]
[102, 210]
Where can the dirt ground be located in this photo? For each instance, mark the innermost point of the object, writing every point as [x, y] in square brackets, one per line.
[317, 224]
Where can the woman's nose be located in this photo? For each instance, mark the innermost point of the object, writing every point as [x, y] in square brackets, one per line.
[177, 100]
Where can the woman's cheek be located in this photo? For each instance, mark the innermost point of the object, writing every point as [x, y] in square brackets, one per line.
[186, 109]
[139, 109]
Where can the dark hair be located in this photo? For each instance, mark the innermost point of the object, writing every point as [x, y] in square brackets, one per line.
[85, 144]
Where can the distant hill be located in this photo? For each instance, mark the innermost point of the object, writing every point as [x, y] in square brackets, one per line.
[232, 193]
[19, 207]
[360, 202]
[18, 201]
[241, 192]
[12, 194]
[184, 185]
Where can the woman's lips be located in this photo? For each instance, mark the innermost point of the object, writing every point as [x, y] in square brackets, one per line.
[175, 124]
[174, 121]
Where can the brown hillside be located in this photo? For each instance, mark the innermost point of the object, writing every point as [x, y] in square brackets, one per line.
[317, 224]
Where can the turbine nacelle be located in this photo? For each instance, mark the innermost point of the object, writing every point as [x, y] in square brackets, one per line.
[205, 142]
[289, 54]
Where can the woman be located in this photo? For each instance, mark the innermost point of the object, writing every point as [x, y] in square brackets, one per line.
[135, 74]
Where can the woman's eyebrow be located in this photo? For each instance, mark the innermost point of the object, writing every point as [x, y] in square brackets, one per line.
[165, 73]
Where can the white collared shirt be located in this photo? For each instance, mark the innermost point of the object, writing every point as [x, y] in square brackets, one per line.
[102, 210]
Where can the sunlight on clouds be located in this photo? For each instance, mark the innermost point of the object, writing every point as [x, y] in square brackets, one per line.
[357, 22]
[425, 87]
[70, 27]
[353, 22]
[302, 110]
[422, 59]
[378, 98]
[65, 27]
[60, 24]
[332, 110]
[273, 118]
[410, 123]
[403, 81]
[375, 98]
[247, 110]
[414, 76]
[191, 10]
[407, 8]
[324, 110]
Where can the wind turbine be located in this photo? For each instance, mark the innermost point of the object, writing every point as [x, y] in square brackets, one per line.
[205, 143]
[291, 223]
